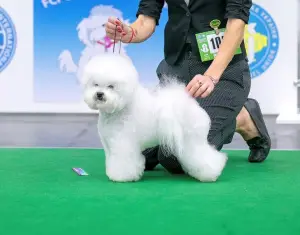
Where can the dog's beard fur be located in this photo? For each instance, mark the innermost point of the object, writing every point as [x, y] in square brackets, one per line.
[110, 103]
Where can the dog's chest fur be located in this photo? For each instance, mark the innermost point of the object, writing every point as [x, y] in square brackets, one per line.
[139, 121]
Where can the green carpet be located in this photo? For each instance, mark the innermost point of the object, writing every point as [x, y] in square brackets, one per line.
[41, 195]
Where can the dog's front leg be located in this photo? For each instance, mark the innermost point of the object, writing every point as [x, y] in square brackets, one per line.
[105, 146]
[125, 163]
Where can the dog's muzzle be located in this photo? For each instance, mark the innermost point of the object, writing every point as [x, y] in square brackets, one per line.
[100, 96]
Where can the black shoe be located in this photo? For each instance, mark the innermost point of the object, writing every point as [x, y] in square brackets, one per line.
[259, 146]
[151, 156]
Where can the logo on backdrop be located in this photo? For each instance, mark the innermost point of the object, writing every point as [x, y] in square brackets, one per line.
[52, 2]
[261, 40]
[8, 39]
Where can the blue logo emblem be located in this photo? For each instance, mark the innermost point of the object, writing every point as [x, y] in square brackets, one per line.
[261, 40]
[8, 39]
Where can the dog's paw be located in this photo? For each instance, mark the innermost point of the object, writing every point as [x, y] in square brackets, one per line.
[209, 167]
[124, 169]
[214, 168]
[123, 175]
[124, 178]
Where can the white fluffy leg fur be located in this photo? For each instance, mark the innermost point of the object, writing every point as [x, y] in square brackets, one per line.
[203, 162]
[124, 163]
[184, 129]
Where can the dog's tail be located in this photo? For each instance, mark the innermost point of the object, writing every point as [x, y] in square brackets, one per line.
[181, 118]
[66, 62]
[171, 123]
[172, 137]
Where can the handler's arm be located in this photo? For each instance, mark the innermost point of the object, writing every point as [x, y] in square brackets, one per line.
[148, 16]
[237, 13]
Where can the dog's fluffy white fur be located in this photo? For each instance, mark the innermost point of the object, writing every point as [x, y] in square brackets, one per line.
[133, 118]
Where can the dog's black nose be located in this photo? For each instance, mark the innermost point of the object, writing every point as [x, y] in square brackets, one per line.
[100, 95]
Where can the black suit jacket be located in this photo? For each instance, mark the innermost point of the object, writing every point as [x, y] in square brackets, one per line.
[187, 20]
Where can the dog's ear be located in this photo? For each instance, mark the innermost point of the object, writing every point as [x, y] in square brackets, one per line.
[85, 77]
[88, 70]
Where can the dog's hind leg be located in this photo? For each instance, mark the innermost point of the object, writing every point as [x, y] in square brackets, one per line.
[202, 162]
[125, 162]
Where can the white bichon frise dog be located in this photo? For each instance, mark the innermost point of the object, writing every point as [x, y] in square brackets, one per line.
[133, 118]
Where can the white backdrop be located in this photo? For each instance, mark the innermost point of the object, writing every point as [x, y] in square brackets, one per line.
[273, 88]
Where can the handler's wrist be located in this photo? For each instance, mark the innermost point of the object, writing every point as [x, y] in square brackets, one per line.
[128, 38]
[213, 79]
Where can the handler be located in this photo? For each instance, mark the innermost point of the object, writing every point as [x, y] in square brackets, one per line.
[204, 48]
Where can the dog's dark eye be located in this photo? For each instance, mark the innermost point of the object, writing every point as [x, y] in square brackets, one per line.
[96, 84]
[110, 87]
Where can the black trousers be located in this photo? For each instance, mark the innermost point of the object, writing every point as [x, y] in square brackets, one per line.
[223, 105]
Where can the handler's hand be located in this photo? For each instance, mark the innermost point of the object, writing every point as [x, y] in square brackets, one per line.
[122, 30]
[200, 86]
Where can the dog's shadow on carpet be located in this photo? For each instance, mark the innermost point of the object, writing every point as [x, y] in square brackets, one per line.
[159, 174]
[237, 168]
